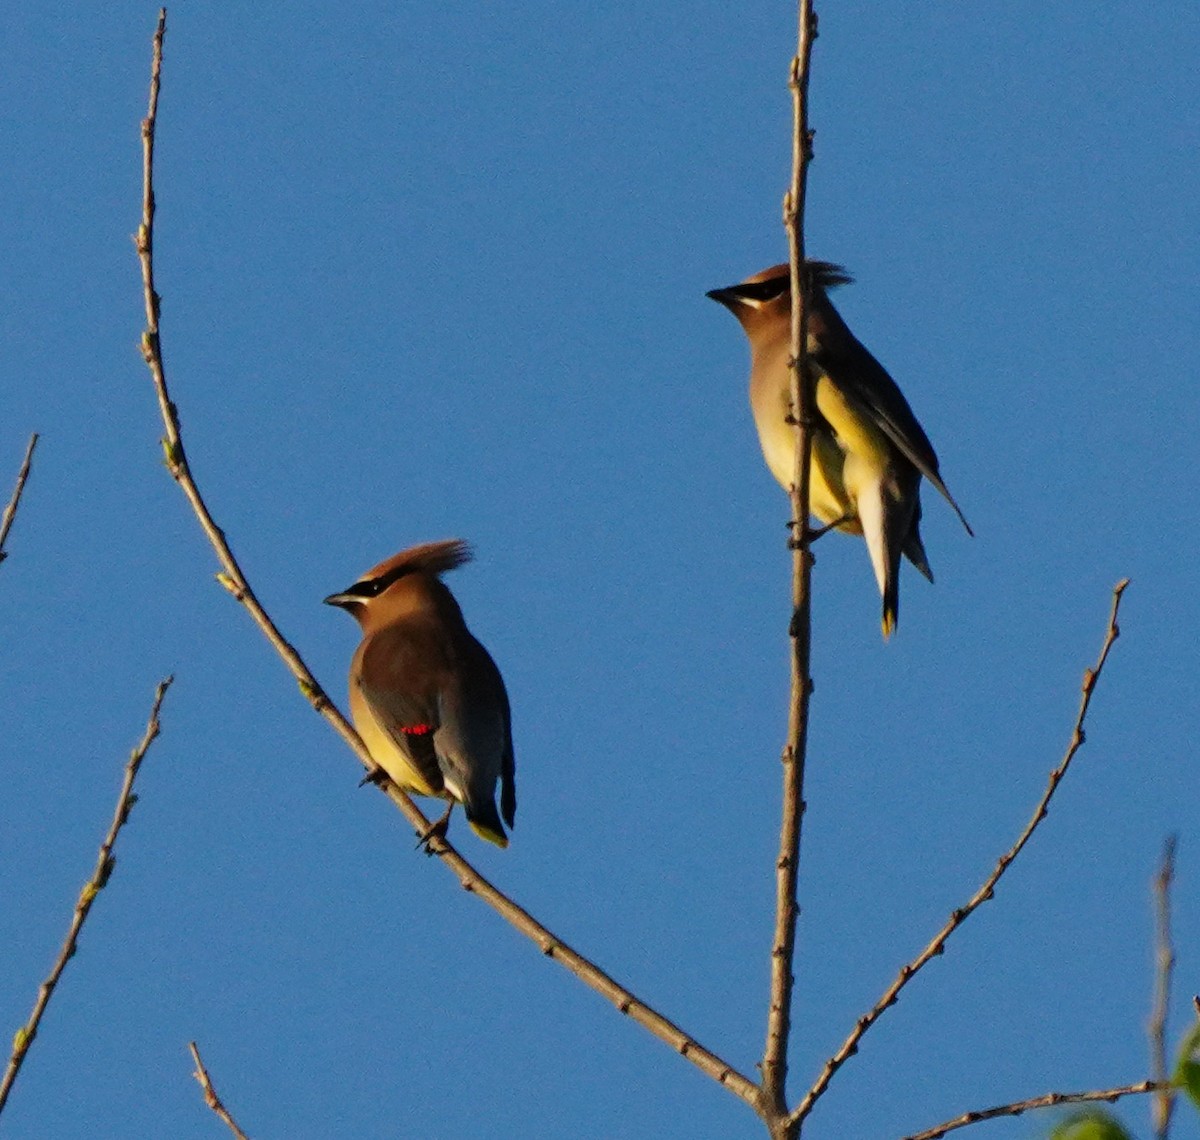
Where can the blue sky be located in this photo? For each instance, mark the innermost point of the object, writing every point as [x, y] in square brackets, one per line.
[439, 270]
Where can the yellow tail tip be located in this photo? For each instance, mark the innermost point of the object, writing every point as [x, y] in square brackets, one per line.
[490, 834]
[888, 623]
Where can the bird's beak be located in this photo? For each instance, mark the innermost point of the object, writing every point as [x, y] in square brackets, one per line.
[342, 601]
[728, 297]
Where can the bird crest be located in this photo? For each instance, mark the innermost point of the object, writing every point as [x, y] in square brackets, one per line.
[828, 275]
[429, 558]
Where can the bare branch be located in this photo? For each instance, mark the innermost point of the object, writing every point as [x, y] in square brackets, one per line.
[210, 1094]
[1164, 1099]
[1046, 1100]
[10, 512]
[850, 1046]
[234, 580]
[787, 864]
[100, 876]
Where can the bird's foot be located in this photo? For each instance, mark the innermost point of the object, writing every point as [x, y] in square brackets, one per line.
[376, 776]
[436, 830]
[811, 535]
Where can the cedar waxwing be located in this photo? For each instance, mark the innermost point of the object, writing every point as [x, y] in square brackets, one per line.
[425, 696]
[868, 450]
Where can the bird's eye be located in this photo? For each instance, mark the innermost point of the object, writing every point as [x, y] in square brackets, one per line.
[764, 290]
[368, 589]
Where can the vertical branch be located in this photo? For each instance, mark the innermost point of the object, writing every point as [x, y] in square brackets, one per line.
[774, 1064]
[105, 862]
[10, 512]
[1164, 1098]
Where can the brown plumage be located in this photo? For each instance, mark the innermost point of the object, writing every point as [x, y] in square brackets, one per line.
[425, 695]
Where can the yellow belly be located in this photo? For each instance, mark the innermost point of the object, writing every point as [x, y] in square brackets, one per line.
[827, 495]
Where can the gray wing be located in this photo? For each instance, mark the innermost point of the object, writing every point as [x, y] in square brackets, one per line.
[474, 740]
[842, 355]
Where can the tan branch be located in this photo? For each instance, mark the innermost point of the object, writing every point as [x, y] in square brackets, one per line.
[850, 1046]
[234, 580]
[1046, 1100]
[787, 863]
[10, 511]
[210, 1094]
[99, 880]
[1164, 963]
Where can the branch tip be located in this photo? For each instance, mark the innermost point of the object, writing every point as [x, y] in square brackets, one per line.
[210, 1094]
[1046, 1100]
[105, 863]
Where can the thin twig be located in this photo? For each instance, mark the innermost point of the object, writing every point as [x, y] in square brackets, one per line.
[100, 876]
[850, 1046]
[787, 864]
[1046, 1100]
[1164, 1100]
[10, 512]
[210, 1094]
[234, 580]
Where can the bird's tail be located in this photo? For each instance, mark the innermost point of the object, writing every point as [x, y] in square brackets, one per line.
[485, 822]
[887, 528]
[891, 606]
[914, 548]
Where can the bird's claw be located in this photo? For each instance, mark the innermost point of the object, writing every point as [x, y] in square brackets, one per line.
[811, 535]
[436, 830]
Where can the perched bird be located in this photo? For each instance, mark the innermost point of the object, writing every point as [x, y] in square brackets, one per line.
[425, 696]
[868, 450]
